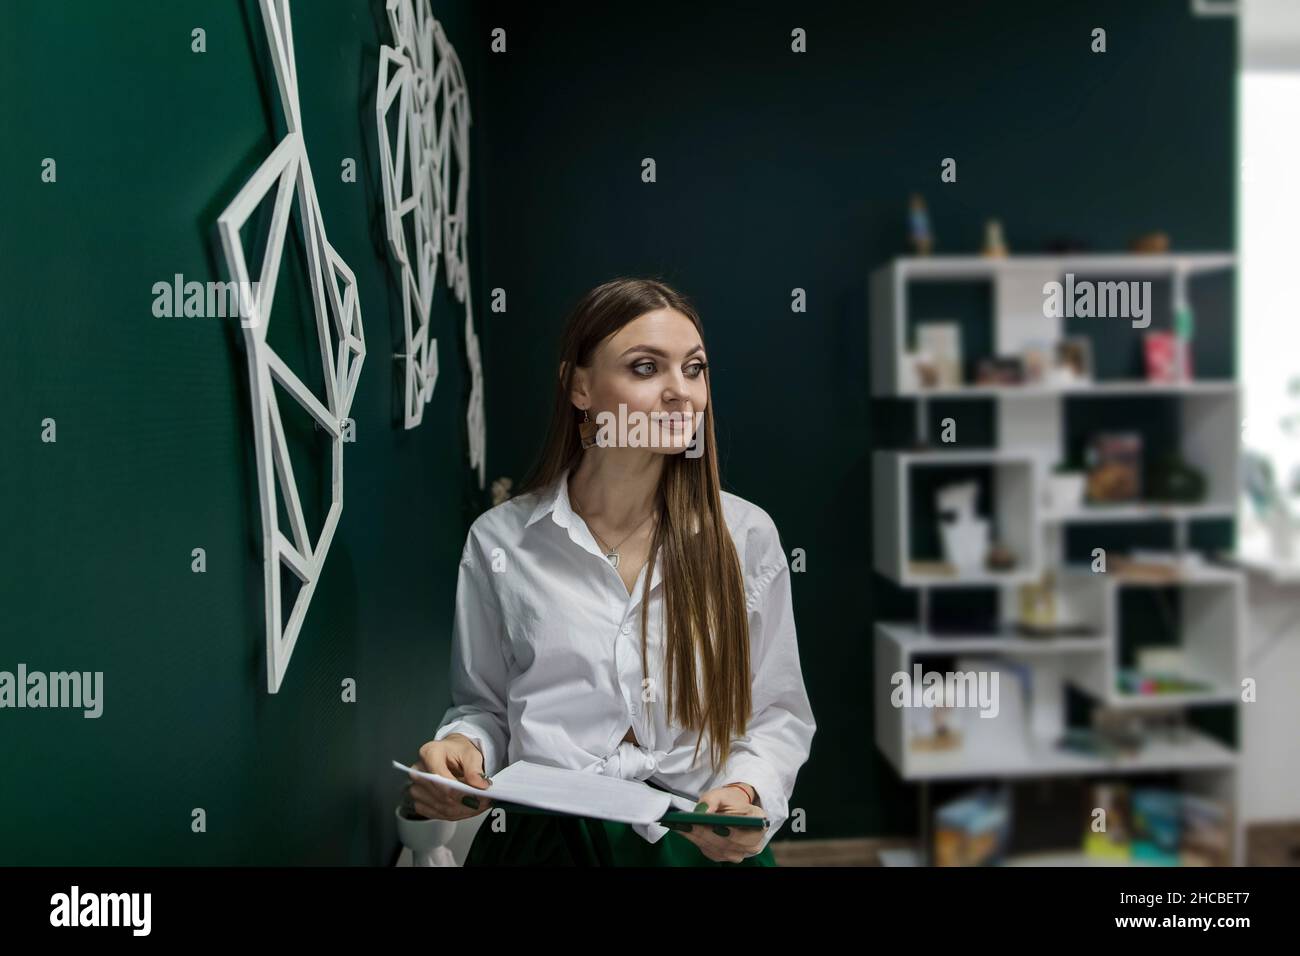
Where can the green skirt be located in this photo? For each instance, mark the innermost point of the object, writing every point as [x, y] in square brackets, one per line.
[540, 839]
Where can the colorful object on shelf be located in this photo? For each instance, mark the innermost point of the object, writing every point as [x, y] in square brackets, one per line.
[931, 729]
[994, 243]
[1143, 683]
[1073, 361]
[1184, 322]
[1000, 558]
[1206, 832]
[1108, 835]
[936, 723]
[1173, 480]
[918, 226]
[1183, 329]
[1000, 371]
[919, 371]
[1152, 243]
[1114, 467]
[973, 830]
[1157, 825]
[1123, 732]
[1038, 604]
[1168, 357]
[1036, 362]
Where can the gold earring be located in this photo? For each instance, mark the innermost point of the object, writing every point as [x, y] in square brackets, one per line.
[587, 430]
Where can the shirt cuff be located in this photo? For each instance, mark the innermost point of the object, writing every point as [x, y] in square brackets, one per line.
[481, 741]
[753, 770]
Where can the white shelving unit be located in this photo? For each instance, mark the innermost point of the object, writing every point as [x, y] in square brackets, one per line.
[1021, 742]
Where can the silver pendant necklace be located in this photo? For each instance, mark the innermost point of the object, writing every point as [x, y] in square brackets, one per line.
[611, 553]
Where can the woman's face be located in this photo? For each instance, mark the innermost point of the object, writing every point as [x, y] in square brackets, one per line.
[654, 368]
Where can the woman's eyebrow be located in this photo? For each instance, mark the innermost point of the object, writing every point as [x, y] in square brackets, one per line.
[660, 352]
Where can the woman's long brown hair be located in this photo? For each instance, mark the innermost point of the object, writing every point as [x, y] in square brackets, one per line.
[707, 630]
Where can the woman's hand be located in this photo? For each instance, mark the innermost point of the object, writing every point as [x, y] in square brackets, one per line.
[456, 757]
[732, 844]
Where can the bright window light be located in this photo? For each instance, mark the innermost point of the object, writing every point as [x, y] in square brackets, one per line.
[1269, 273]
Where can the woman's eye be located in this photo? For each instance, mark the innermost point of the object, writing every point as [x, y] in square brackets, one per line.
[694, 370]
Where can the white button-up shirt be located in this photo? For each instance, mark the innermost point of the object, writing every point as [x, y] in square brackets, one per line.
[546, 657]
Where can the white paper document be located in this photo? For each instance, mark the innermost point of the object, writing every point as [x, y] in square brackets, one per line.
[570, 791]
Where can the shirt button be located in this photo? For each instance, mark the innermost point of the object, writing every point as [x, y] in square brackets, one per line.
[627, 628]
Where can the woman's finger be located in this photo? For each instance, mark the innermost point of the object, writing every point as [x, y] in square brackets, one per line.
[734, 846]
[427, 811]
[428, 791]
[710, 845]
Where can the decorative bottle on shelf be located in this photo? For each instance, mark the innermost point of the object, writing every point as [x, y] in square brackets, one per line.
[1183, 326]
[918, 226]
[995, 246]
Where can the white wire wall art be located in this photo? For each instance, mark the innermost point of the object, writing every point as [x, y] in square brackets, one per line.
[423, 117]
[474, 418]
[286, 174]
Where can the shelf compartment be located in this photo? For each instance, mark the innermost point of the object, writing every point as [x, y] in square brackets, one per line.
[1017, 282]
[1013, 498]
[1212, 612]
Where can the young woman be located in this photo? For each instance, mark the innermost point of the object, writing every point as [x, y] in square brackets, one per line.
[623, 615]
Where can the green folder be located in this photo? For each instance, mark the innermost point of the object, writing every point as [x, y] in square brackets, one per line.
[716, 819]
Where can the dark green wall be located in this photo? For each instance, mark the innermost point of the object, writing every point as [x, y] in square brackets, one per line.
[775, 171]
[778, 171]
[155, 452]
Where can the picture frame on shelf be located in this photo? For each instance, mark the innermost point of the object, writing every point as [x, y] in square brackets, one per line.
[1114, 468]
[942, 342]
[1036, 363]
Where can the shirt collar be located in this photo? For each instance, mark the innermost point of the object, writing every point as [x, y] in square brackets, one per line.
[555, 500]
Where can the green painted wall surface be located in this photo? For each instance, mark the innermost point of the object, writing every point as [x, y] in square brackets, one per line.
[155, 453]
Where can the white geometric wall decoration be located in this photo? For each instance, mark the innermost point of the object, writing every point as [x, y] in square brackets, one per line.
[337, 309]
[453, 161]
[423, 117]
[408, 147]
[474, 418]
